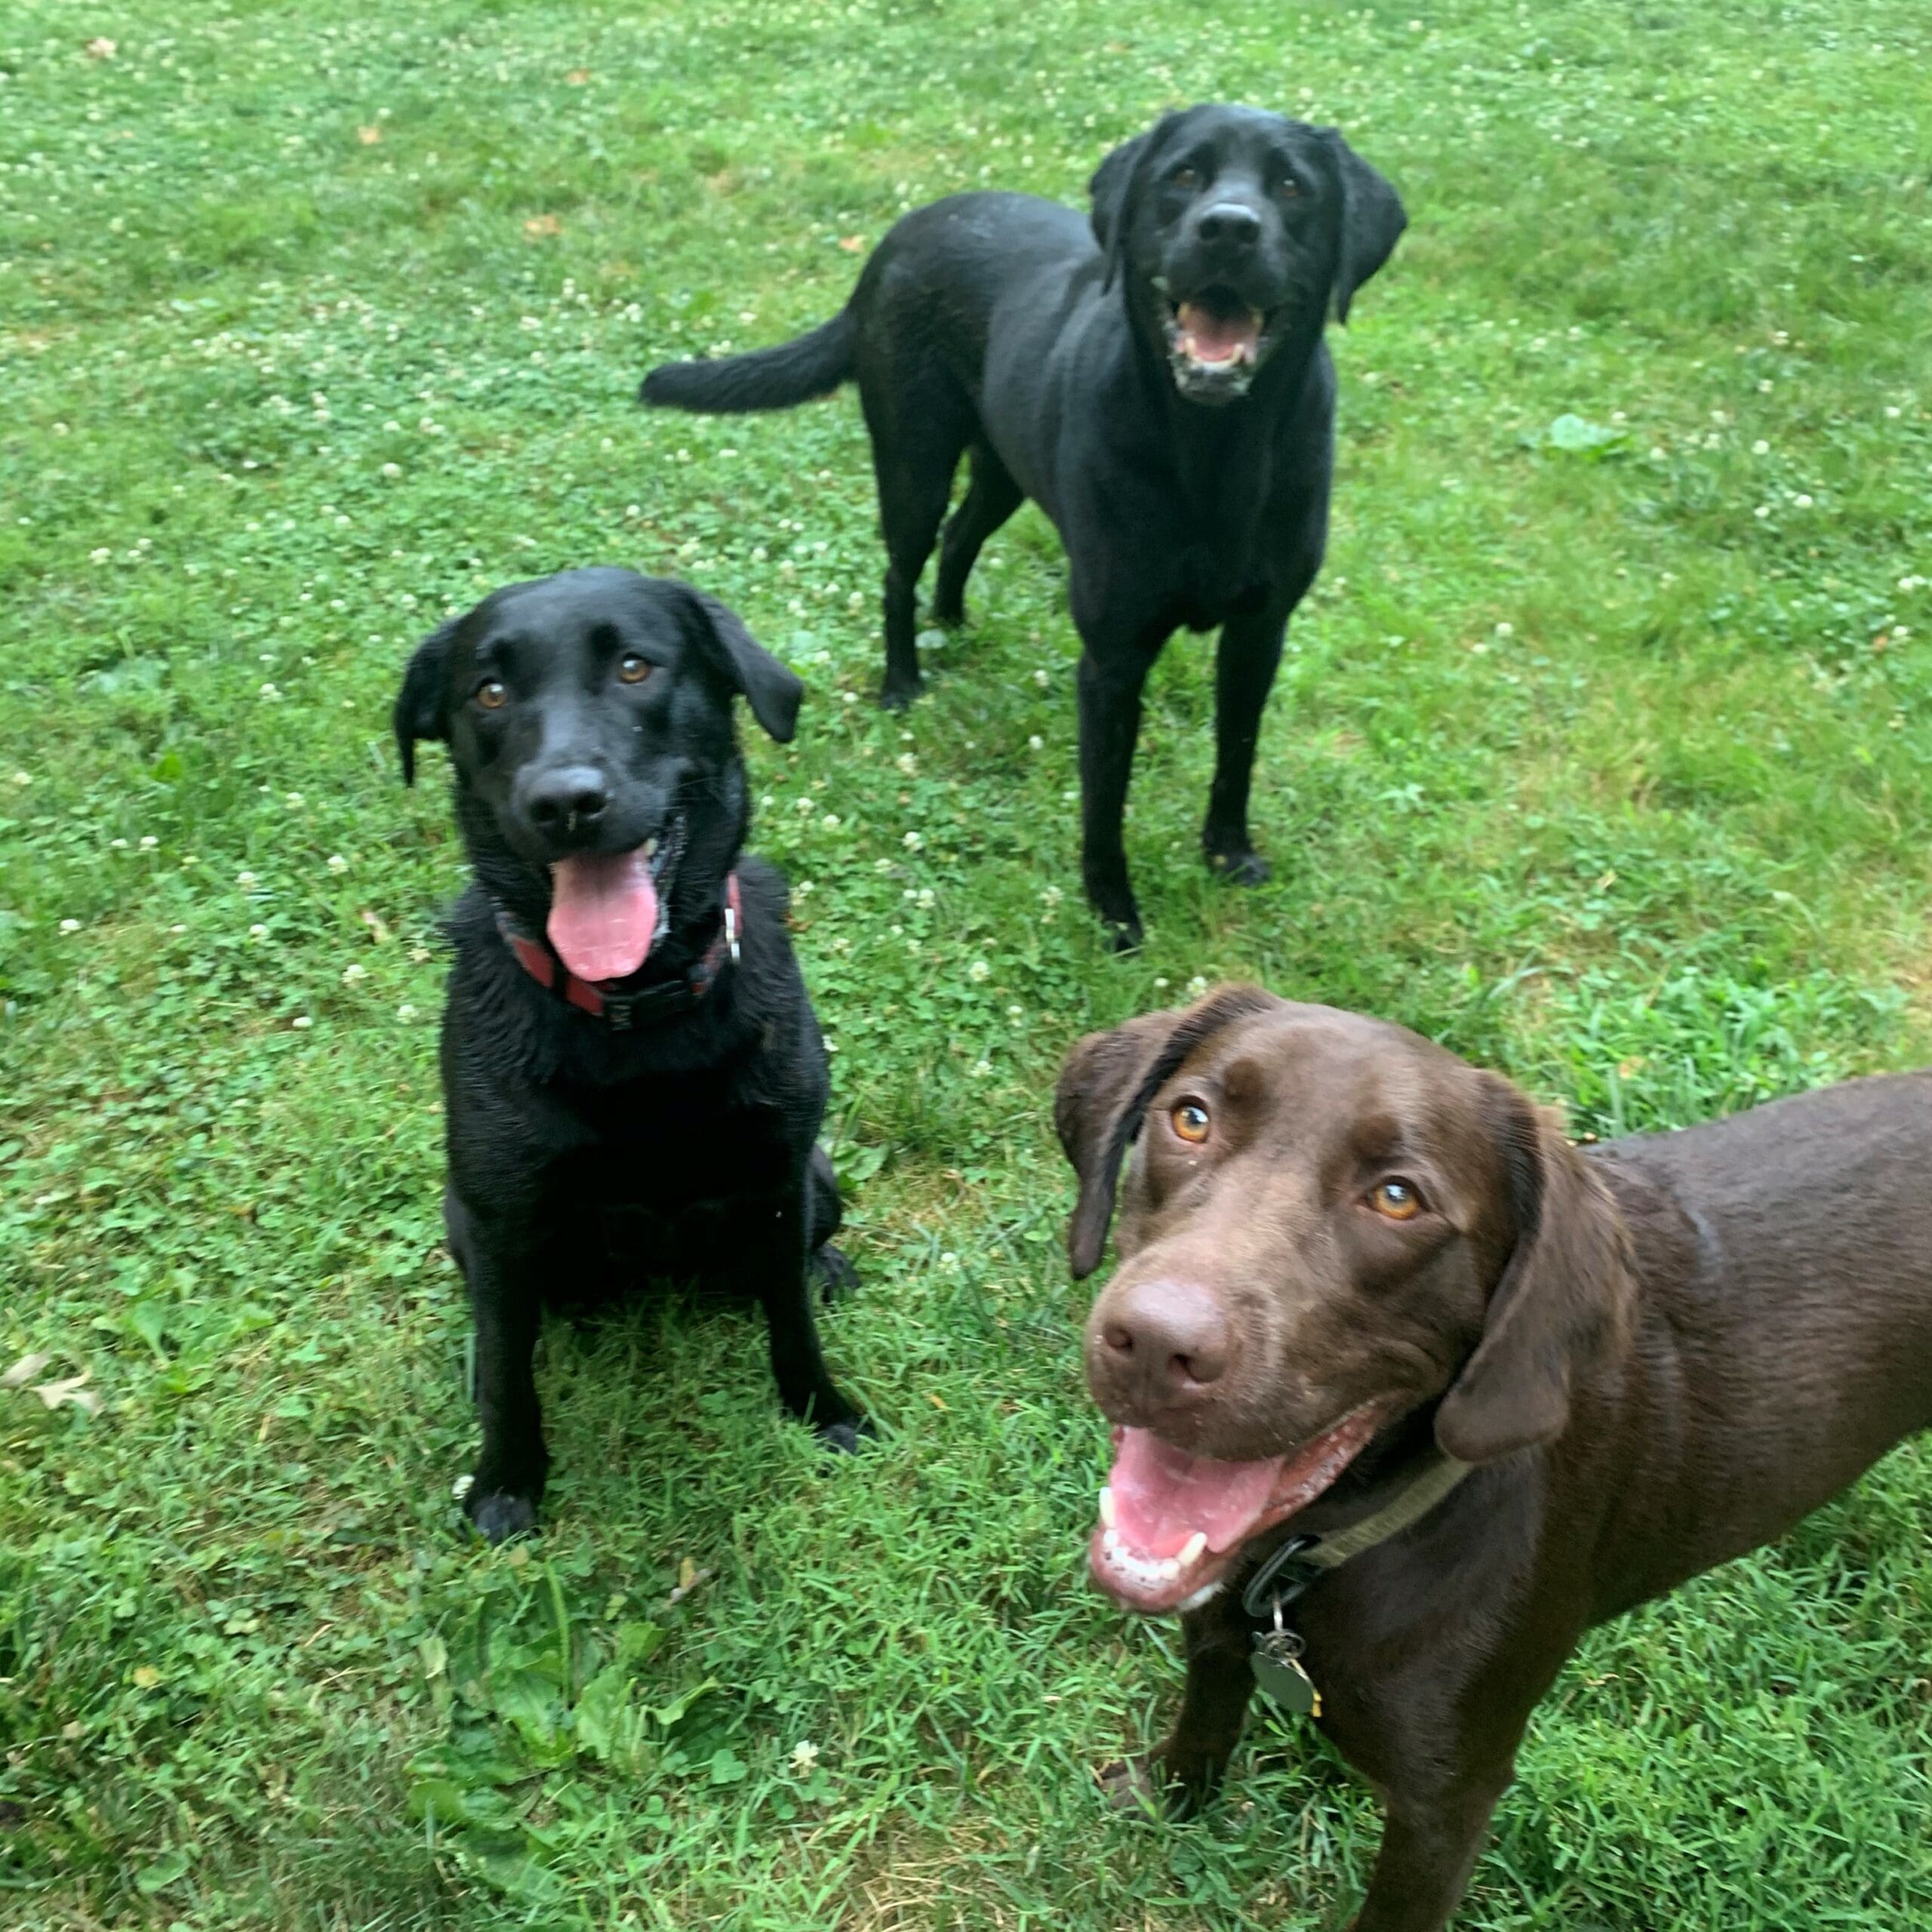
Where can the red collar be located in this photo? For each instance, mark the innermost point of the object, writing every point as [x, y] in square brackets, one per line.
[604, 999]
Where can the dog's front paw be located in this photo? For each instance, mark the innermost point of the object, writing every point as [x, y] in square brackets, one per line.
[497, 1514]
[1126, 935]
[837, 1276]
[1240, 865]
[1152, 1785]
[845, 1436]
[896, 694]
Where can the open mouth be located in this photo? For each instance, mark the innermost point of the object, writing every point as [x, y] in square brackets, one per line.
[1216, 342]
[607, 909]
[1172, 1525]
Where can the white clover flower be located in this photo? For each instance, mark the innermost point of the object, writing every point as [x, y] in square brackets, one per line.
[1762, 510]
[926, 898]
[1036, 742]
[269, 693]
[336, 863]
[302, 1022]
[804, 1756]
[22, 778]
[1802, 500]
[351, 974]
[1161, 983]
[70, 925]
[1760, 447]
[1505, 630]
[911, 841]
[117, 844]
[102, 555]
[980, 1068]
[1040, 676]
[830, 823]
[148, 843]
[406, 1012]
[258, 930]
[177, 930]
[245, 879]
[1196, 986]
[907, 763]
[392, 469]
[979, 971]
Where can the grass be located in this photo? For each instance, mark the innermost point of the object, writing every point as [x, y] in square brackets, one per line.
[1602, 754]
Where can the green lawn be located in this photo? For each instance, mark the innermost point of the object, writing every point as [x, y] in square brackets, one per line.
[1607, 765]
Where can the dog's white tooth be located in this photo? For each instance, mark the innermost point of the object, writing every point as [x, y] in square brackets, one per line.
[1107, 1508]
[650, 848]
[1111, 1541]
[1168, 1570]
[1190, 1551]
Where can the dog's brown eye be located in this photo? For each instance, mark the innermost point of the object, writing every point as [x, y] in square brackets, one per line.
[632, 669]
[1186, 177]
[493, 693]
[1287, 188]
[1397, 1200]
[1190, 1120]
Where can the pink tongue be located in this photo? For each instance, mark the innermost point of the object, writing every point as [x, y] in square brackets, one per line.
[603, 913]
[1162, 1495]
[1213, 338]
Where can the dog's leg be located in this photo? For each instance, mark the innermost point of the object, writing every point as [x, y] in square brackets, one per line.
[507, 1309]
[836, 1275]
[917, 435]
[1110, 687]
[1244, 667]
[990, 498]
[1186, 1768]
[1428, 1848]
[776, 1264]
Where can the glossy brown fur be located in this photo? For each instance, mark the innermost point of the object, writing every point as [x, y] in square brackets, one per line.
[1660, 1353]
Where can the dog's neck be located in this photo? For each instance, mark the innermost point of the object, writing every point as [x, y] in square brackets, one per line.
[1222, 452]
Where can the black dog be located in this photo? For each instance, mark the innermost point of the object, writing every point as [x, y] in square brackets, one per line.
[1164, 396]
[628, 1043]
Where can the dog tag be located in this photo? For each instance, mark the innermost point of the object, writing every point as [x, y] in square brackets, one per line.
[1276, 1662]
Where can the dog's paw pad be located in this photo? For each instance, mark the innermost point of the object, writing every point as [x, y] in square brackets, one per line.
[500, 1515]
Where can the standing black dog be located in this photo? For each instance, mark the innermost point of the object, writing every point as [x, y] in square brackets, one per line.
[1160, 387]
[633, 1073]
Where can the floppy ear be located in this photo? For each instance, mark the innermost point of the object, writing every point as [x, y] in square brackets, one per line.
[771, 689]
[1372, 220]
[1115, 191]
[419, 704]
[1564, 1303]
[1104, 1089]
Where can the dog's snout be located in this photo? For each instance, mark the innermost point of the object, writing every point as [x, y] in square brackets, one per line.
[1162, 1342]
[1231, 224]
[566, 800]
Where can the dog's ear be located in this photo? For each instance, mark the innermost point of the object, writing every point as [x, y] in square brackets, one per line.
[771, 689]
[1372, 220]
[419, 705]
[1563, 1303]
[1115, 192]
[1105, 1087]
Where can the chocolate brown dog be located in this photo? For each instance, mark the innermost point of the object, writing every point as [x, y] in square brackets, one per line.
[1483, 1388]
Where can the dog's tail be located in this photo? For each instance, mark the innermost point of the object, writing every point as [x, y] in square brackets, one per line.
[812, 365]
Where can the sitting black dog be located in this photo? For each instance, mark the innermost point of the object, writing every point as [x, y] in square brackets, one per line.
[633, 1073]
[1159, 387]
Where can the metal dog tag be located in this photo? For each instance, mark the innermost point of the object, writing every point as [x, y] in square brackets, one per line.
[1276, 1662]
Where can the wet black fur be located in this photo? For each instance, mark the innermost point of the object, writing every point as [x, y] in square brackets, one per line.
[582, 1158]
[1005, 326]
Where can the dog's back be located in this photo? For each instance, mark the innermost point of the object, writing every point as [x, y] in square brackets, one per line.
[1785, 1336]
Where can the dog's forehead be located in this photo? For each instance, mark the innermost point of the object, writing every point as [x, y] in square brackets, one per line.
[565, 608]
[1319, 1061]
[1248, 130]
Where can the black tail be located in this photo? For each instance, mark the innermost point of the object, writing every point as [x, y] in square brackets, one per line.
[814, 364]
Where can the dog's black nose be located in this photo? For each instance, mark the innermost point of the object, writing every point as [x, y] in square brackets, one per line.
[1231, 222]
[570, 799]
